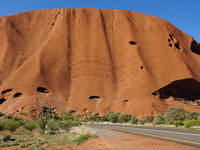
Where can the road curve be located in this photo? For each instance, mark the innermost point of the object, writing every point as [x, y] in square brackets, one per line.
[180, 136]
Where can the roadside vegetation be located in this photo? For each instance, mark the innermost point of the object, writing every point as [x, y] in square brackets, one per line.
[63, 130]
[173, 117]
[59, 132]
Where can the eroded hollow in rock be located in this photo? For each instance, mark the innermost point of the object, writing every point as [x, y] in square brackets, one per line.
[85, 110]
[94, 97]
[195, 47]
[17, 95]
[6, 91]
[170, 45]
[125, 101]
[72, 111]
[42, 90]
[154, 93]
[141, 67]
[186, 88]
[132, 43]
[2, 100]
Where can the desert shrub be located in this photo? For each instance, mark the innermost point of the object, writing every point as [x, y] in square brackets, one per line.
[16, 118]
[12, 125]
[80, 139]
[8, 117]
[159, 119]
[148, 119]
[133, 120]
[30, 127]
[174, 113]
[104, 118]
[6, 138]
[53, 125]
[22, 145]
[1, 114]
[109, 113]
[191, 123]
[125, 117]
[114, 117]
[14, 143]
[141, 121]
[5, 144]
[66, 125]
[178, 123]
[66, 115]
[1, 127]
[192, 115]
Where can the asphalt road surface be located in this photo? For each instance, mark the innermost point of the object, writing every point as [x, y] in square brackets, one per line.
[180, 136]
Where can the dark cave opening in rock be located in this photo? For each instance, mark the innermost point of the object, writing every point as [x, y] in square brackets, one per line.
[186, 88]
[94, 97]
[42, 90]
[17, 95]
[132, 43]
[195, 47]
[6, 91]
[2, 100]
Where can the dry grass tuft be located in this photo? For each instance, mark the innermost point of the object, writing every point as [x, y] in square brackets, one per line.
[83, 130]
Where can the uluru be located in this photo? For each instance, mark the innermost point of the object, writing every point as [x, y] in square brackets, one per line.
[94, 59]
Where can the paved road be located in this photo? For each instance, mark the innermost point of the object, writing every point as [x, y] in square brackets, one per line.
[185, 137]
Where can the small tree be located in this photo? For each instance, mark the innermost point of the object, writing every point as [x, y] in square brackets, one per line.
[125, 117]
[12, 126]
[45, 108]
[174, 113]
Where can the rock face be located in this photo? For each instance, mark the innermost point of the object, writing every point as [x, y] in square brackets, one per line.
[96, 60]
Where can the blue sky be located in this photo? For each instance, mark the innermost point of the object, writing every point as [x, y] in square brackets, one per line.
[184, 14]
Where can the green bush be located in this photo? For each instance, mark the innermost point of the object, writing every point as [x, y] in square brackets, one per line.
[109, 113]
[1, 127]
[159, 119]
[1, 114]
[192, 115]
[12, 126]
[22, 145]
[148, 119]
[133, 120]
[16, 118]
[191, 123]
[141, 121]
[125, 117]
[66, 125]
[104, 118]
[174, 113]
[6, 138]
[30, 127]
[8, 117]
[53, 125]
[81, 139]
[113, 117]
[178, 123]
